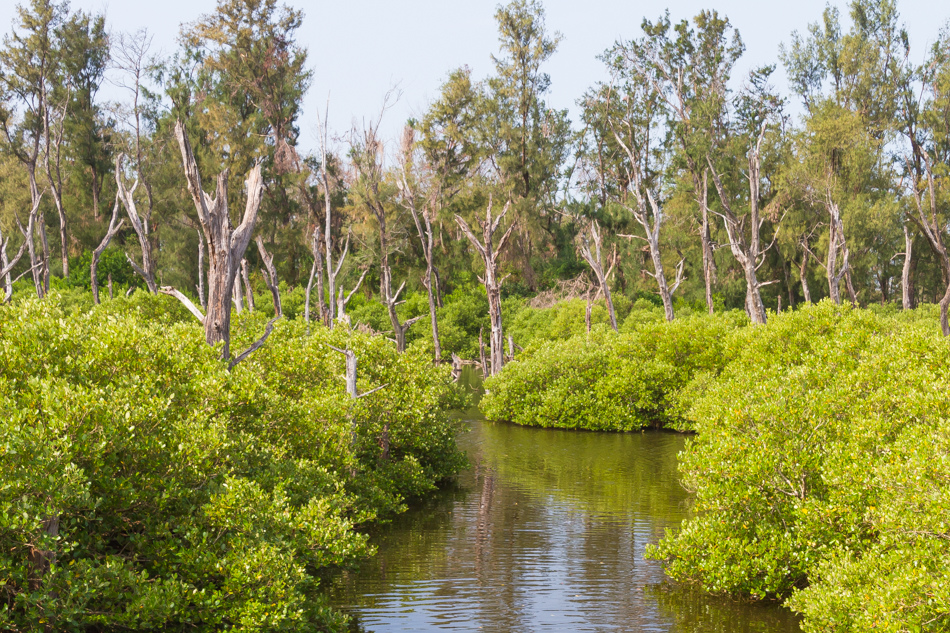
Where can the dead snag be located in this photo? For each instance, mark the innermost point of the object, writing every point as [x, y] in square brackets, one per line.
[226, 244]
[491, 281]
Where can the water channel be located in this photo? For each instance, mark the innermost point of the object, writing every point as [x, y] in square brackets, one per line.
[545, 532]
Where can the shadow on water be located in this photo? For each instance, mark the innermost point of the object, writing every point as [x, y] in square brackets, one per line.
[546, 531]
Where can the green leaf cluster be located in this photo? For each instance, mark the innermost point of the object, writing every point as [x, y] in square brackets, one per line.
[606, 381]
[145, 487]
[820, 470]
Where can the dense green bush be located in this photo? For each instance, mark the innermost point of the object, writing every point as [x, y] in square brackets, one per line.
[169, 494]
[609, 381]
[821, 471]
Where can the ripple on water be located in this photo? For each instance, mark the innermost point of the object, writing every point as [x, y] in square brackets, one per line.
[546, 532]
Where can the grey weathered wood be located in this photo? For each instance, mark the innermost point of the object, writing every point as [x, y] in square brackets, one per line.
[248, 291]
[422, 218]
[226, 244]
[595, 261]
[270, 276]
[907, 295]
[492, 283]
[255, 346]
[115, 225]
[748, 252]
[140, 223]
[341, 301]
[172, 292]
[7, 265]
[201, 270]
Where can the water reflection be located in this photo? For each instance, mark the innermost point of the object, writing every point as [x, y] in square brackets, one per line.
[545, 532]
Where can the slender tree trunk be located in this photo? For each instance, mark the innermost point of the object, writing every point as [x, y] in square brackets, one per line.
[226, 246]
[270, 277]
[141, 226]
[248, 291]
[114, 226]
[745, 251]
[709, 260]
[201, 270]
[594, 260]
[491, 282]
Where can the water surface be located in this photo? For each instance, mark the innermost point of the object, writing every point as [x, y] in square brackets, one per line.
[546, 532]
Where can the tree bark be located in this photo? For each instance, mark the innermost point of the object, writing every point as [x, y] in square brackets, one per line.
[226, 245]
[140, 224]
[595, 261]
[491, 281]
[270, 276]
[114, 227]
[747, 252]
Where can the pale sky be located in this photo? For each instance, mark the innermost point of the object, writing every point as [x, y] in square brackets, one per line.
[359, 49]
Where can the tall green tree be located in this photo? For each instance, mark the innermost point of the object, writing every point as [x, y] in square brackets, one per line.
[526, 141]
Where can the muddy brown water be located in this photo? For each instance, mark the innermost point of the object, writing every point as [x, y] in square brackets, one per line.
[545, 532]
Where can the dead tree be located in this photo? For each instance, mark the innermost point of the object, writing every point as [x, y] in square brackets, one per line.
[647, 210]
[367, 158]
[837, 245]
[246, 278]
[931, 223]
[54, 128]
[907, 289]
[140, 224]
[423, 221]
[332, 271]
[748, 251]
[201, 270]
[341, 301]
[115, 225]
[7, 265]
[316, 273]
[270, 276]
[226, 245]
[489, 253]
[595, 261]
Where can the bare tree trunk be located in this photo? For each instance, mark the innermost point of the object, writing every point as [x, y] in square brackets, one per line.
[201, 270]
[491, 282]
[908, 294]
[29, 234]
[114, 226]
[6, 266]
[836, 245]
[248, 291]
[109, 283]
[341, 301]
[933, 230]
[270, 276]
[747, 252]
[315, 269]
[237, 296]
[52, 160]
[482, 357]
[650, 218]
[709, 260]
[226, 246]
[425, 232]
[140, 224]
[595, 261]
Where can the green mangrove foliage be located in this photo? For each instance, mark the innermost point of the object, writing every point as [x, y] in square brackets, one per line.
[145, 487]
[605, 381]
[820, 471]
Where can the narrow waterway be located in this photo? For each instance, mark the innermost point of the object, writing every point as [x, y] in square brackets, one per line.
[546, 531]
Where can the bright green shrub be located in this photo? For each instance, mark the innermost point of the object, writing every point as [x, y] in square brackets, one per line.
[820, 461]
[609, 381]
[188, 497]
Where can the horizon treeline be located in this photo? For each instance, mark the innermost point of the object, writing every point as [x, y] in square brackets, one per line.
[679, 182]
